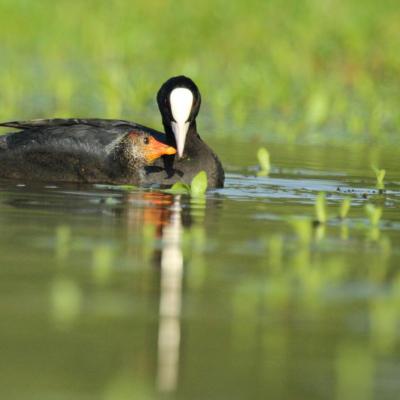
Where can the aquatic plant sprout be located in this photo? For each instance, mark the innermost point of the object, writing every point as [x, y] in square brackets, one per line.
[264, 161]
[380, 176]
[197, 187]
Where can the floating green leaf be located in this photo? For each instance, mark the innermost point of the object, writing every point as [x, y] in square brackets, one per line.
[264, 161]
[198, 186]
[179, 188]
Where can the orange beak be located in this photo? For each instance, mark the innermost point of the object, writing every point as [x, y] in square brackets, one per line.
[156, 149]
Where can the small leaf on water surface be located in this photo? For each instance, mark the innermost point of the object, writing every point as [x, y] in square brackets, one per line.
[179, 188]
[380, 176]
[264, 161]
[198, 186]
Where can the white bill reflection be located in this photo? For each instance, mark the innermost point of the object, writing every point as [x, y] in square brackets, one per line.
[169, 333]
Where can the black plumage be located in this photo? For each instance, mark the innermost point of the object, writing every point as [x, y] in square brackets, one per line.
[77, 150]
[197, 154]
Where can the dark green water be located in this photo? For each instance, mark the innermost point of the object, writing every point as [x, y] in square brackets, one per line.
[108, 294]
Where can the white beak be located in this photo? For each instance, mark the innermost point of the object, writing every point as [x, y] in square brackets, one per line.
[180, 130]
[181, 100]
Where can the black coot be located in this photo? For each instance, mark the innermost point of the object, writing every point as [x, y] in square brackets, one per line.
[179, 103]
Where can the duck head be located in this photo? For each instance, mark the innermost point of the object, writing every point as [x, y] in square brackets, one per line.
[179, 103]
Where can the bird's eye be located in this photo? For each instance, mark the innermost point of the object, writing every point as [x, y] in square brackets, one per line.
[146, 140]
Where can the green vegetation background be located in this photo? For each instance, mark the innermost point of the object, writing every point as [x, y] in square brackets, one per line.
[292, 70]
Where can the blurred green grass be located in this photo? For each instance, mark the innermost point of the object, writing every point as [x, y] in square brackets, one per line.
[293, 70]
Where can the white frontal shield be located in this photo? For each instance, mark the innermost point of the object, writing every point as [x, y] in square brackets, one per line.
[181, 100]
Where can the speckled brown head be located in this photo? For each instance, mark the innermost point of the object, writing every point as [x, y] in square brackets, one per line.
[143, 148]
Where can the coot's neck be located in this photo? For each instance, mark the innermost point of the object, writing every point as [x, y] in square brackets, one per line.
[192, 138]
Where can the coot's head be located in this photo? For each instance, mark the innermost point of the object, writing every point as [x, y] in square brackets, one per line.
[145, 148]
[179, 103]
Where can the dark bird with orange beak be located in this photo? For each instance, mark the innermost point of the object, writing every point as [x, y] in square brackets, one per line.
[78, 150]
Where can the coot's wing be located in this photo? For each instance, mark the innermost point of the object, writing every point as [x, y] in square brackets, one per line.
[105, 126]
[60, 122]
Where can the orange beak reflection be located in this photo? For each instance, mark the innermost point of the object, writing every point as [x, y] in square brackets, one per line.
[155, 149]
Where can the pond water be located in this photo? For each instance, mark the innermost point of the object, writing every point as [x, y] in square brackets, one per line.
[110, 294]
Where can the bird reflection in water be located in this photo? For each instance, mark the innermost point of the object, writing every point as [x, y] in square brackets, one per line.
[165, 213]
[170, 221]
[169, 332]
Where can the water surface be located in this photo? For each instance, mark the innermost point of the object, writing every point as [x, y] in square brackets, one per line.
[111, 294]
